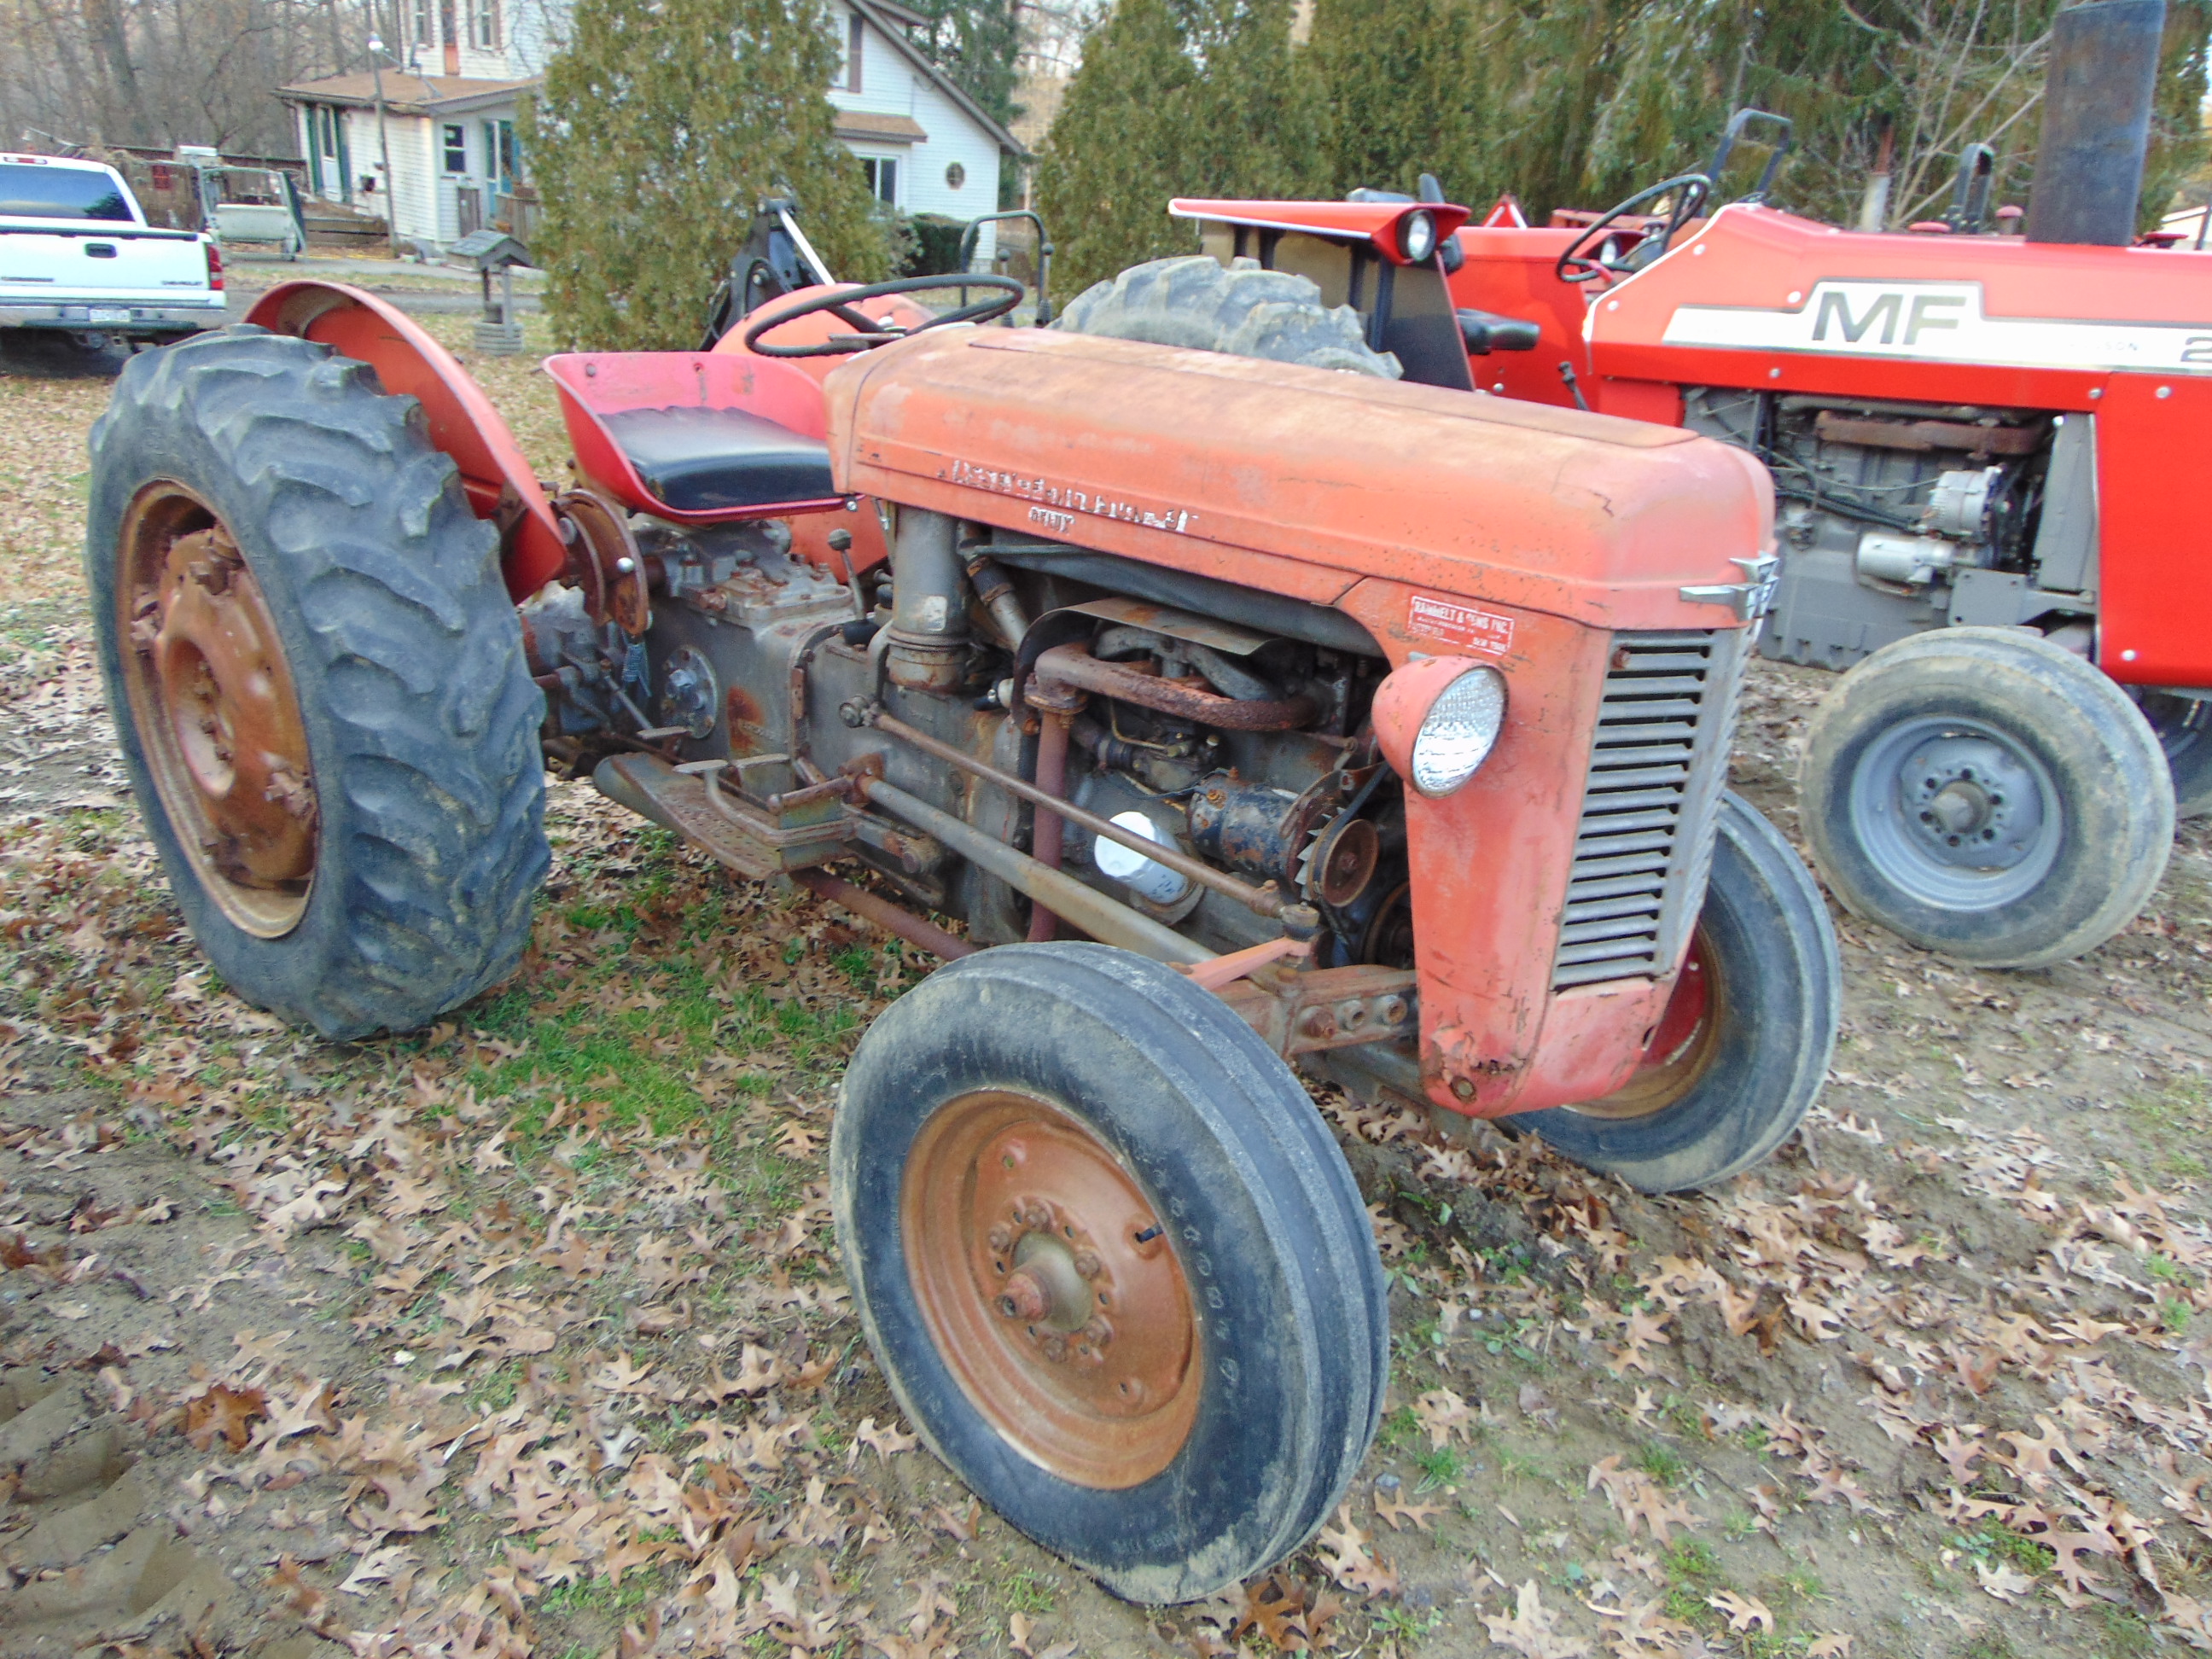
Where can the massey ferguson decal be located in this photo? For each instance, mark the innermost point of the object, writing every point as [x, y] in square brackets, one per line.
[1940, 322]
[1462, 625]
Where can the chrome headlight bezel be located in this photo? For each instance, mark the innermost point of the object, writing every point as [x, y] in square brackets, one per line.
[1416, 236]
[1458, 734]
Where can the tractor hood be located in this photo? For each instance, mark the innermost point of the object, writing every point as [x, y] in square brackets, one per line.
[1301, 481]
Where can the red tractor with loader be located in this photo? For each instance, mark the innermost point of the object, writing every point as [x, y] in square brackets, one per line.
[1972, 437]
[1248, 718]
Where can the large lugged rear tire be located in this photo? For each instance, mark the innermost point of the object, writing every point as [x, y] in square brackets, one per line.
[1112, 1263]
[2184, 728]
[318, 682]
[1241, 309]
[1744, 1046]
[1982, 792]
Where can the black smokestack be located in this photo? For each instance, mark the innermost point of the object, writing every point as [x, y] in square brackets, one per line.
[2096, 122]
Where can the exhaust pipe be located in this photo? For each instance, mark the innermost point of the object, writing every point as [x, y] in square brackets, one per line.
[2098, 85]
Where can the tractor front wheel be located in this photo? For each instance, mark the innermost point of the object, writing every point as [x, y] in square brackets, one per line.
[1743, 1046]
[1112, 1263]
[1981, 793]
[317, 680]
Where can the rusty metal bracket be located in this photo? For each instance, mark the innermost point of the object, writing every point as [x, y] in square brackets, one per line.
[1299, 1012]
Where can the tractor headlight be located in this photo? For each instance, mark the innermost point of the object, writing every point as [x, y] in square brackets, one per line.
[1458, 732]
[1417, 237]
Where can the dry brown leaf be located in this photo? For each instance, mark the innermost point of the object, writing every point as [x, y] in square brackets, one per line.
[1400, 1515]
[226, 1411]
[1344, 1548]
[1532, 1630]
[1743, 1613]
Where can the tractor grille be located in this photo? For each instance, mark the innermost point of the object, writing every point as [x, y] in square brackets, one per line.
[1658, 767]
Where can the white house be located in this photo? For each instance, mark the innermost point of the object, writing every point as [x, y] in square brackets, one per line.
[449, 119]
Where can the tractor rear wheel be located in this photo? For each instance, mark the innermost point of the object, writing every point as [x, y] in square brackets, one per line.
[1112, 1263]
[1981, 793]
[318, 682]
[1744, 1044]
[1240, 309]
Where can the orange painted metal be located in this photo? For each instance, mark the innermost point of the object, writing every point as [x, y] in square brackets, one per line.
[1758, 299]
[1376, 222]
[463, 424]
[1503, 533]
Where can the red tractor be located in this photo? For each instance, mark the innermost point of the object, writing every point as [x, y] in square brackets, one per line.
[1260, 716]
[1972, 437]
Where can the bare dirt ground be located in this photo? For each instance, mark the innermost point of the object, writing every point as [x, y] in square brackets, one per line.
[525, 1336]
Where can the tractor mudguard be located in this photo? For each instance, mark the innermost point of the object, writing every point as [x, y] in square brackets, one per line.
[464, 425]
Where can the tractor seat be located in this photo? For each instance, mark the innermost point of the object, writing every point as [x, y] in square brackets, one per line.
[1485, 332]
[705, 461]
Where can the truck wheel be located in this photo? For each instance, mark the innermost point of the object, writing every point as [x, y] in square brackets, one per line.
[1113, 1265]
[318, 682]
[1984, 794]
[1743, 1046]
[2184, 726]
[1241, 309]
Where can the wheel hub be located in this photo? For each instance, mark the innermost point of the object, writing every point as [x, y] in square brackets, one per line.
[1050, 1290]
[213, 701]
[1970, 801]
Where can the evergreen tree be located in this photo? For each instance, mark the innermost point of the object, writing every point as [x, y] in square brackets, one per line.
[1176, 98]
[976, 43]
[1111, 161]
[658, 132]
[1407, 87]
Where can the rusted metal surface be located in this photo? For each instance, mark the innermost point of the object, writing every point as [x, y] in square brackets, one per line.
[1301, 1011]
[603, 561]
[1050, 1290]
[1074, 666]
[1174, 624]
[1832, 428]
[1046, 832]
[1227, 969]
[1051, 805]
[1105, 920]
[1344, 860]
[734, 832]
[891, 918]
[212, 697]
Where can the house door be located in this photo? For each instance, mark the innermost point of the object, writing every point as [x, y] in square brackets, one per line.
[449, 32]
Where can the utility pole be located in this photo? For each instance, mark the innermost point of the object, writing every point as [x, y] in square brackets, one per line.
[384, 143]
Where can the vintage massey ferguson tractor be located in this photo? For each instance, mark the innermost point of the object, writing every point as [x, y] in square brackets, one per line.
[1972, 437]
[1258, 714]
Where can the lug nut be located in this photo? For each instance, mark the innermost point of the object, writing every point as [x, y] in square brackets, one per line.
[1099, 1333]
[1087, 1264]
[1056, 1347]
[1023, 1297]
[1034, 1212]
[1002, 1239]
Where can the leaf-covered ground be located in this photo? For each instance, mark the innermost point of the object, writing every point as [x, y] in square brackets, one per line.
[525, 1336]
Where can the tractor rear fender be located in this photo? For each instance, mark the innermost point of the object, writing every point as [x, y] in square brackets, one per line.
[464, 425]
[1381, 222]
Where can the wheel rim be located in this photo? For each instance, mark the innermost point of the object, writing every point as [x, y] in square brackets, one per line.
[212, 699]
[1957, 813]
[1681, 1046]
[1050, 1288]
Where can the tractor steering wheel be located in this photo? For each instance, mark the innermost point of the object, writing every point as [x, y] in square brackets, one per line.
[1576, 265]
[1004, 294]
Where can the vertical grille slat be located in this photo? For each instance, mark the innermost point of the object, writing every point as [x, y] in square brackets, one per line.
[1658, 765]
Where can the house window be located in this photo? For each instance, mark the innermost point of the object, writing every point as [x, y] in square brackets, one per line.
[882, 173]
[423, 35]
[483, 25]
[955, 176]
[456, 148]
[847, 78]
[502, 160]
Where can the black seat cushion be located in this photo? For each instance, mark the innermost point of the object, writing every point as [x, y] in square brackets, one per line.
[702, 460]
[1485, 332]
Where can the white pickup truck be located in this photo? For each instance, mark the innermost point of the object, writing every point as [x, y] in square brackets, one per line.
[77, 255]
